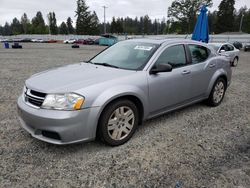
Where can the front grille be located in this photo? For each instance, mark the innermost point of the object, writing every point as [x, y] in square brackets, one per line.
[34, 98]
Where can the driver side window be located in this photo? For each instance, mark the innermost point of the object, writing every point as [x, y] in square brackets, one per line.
[174, 55]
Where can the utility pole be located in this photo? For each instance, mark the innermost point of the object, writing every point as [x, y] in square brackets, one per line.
[241, 21]
[104, 7]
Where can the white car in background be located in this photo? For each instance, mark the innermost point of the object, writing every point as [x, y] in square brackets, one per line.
[228, 50]
[37, 40]
[69, 41]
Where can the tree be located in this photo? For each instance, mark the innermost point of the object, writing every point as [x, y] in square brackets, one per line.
[16, 27]
[70, 27]
[25, 23]
[38, 24]
[225, 16]
[146, 24]
[63, 29]
[113, 26]
[246, 22]
[243, 15]
[52, 23]
[7, 29]
[83, 21]
[94, 24]
[185, 12]
[212, 19]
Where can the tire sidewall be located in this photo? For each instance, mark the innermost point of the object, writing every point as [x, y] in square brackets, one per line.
[211, 97]
[103, 122]
[235, 62]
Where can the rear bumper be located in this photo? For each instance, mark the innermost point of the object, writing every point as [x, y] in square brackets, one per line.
[58, 127]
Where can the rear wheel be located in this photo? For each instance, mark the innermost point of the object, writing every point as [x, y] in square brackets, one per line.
[217, 94]
[118, 122]
[235, 62]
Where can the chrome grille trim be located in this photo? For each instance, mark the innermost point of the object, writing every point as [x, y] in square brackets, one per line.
[33, 100]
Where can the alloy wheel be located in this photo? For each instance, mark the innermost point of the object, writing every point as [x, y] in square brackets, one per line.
[121, 123]
[218, 92]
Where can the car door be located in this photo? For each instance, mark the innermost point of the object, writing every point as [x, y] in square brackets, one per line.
[227, 51]
[169, 89]
[202, 67]
[231, 52]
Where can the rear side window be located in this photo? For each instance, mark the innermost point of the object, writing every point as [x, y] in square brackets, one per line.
[199, 54]
[230, 48]
[174, 55]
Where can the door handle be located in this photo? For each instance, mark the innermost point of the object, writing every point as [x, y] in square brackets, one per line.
[186, 72]
[212, 65]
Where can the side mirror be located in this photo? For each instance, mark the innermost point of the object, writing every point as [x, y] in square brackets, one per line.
[222, 51]
[161, 68]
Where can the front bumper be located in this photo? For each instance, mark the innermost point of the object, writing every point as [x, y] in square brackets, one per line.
[59, 127]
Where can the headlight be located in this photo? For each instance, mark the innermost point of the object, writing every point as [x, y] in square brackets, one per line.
[69, 101]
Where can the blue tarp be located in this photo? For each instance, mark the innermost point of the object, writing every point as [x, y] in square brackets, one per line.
[201, 31]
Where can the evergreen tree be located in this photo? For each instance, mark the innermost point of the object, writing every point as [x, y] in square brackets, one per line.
[212, 19]
[225, 16]
[245, 21]
[7, 30]
[185, 12]
[70, 27]
[94, 24]
[52, 23]
[83, 21]
[63, 29]
[113, 26]
[16, 27]
[38, 24]
[147, 24]
[25, 23]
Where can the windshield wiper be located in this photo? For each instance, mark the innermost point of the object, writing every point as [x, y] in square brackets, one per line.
[106, 65]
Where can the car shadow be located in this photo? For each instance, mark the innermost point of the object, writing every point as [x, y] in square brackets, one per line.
[97, 145]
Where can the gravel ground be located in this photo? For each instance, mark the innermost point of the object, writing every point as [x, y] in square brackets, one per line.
[197, 146]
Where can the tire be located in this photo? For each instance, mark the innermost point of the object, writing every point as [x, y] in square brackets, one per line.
[235, 62]
[218, 92]
[118, 122]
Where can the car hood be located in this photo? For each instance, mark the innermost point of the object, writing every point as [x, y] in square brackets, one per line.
[73, 77]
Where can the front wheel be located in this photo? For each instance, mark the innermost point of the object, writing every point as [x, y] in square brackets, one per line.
[217, 94]
[118, 122]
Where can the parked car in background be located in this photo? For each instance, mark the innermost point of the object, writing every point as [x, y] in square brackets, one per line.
[26, 40]
[69, 41]
[17, 40]
[126, 84]
[108, 40]
[80, 41]
[237, 45]
[6, 40]
[97, 41]
[228, 50]
[247, 47]
[51, 41]
[90, 41]
[38, 40]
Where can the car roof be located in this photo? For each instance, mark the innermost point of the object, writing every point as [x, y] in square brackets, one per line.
[219, 44]
[166, 41]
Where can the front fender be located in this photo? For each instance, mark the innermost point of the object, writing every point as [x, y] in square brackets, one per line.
[119, 91]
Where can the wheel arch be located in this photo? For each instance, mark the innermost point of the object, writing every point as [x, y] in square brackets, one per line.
[216, 76]
[133, 98]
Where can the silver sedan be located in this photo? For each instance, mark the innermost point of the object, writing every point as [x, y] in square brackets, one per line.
[126, 84]
[228, 50]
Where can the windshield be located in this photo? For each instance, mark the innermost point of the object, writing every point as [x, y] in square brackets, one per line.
[215, 47]
[129, 55]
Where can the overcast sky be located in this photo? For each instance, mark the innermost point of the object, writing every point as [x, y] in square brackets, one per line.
[65, 8]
